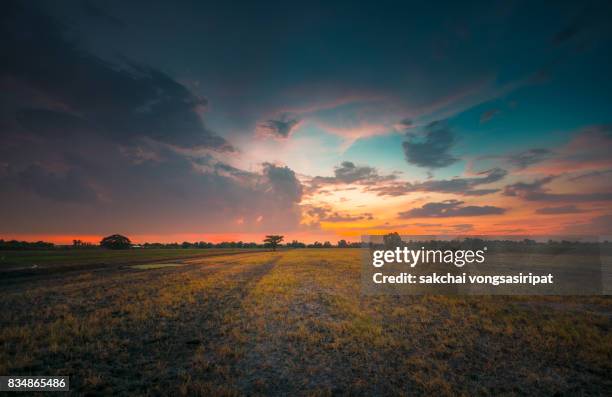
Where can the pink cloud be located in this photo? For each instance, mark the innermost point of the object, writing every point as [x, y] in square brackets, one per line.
[588, 150]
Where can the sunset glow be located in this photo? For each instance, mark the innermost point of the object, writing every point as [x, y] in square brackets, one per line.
[325, 136]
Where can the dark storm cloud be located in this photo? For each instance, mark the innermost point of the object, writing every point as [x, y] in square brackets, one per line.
[93, 147]
[50, 123]
[463, 186]
[70, 187]
[536, 191]
[450, 208]
[565, 209]
[106, 191]
[432, 149]
[279, 128]
[123, 102]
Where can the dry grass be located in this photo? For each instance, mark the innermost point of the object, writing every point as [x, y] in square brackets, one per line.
[295, 323]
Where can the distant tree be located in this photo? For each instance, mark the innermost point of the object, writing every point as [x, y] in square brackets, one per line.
[273, 240]
[342, 244]
[327, 244]
[116, 242]
[392, 240]
[81, 244]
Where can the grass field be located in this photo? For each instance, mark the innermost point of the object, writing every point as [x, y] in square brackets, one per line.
[91, 256]
[294, 322]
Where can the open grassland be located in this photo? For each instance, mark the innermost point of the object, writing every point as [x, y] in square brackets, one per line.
[295, 323]
[70, 258]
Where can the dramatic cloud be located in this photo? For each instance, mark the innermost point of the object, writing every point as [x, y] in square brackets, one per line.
[327, 214]
[283, 183]
[107, 191]
[525, 159]
[92, 147]
[527, 190]
[110, 124]
[123, 102]
[51, 124]
[450, 208]
[69, 187]
[432, 148]
[347, 172]
[565, 209]
[592, 174]
[536, 191]
[463, 186]
[279, 128]
[587, 151]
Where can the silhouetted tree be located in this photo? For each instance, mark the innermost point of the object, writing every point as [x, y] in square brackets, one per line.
[273, 240]
[392, 240]
[342, 244]
[116, 242]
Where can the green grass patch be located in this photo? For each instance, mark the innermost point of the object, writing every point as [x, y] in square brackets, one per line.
[151, 266]
[67, 257]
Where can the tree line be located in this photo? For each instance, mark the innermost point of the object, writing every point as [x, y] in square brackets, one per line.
[117, 241]
[25, 245]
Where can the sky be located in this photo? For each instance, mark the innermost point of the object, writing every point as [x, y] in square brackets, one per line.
[207, 121]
